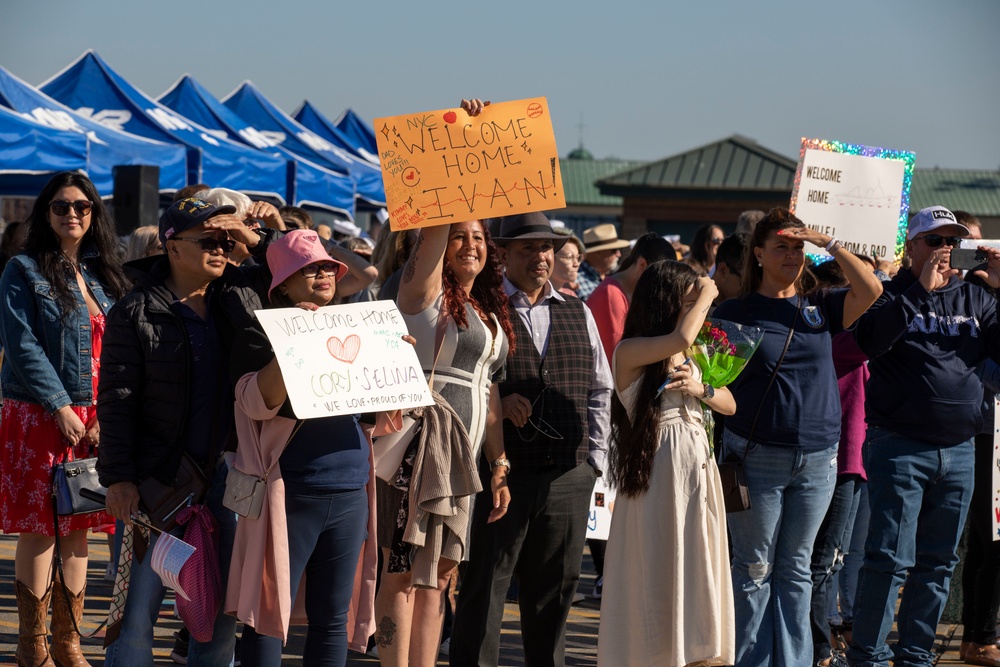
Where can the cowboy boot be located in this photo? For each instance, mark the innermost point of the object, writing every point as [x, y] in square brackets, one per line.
[66, 650]
[32, 612]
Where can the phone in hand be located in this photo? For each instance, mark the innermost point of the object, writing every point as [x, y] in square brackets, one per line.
[965, 259]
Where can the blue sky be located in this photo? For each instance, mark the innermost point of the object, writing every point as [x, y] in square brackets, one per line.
[649, 79]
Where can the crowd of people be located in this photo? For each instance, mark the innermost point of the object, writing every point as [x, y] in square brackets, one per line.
[862, 425]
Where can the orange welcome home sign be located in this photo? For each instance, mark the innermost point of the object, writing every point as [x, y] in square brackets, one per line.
[445, 166]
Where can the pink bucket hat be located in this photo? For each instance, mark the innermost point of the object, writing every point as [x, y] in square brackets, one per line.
[296, 250]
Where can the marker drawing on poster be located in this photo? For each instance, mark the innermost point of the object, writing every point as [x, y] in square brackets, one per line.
[445, 166]
[857, 194]
[346, 359]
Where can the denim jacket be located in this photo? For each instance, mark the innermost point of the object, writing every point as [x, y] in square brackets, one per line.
[47, 360]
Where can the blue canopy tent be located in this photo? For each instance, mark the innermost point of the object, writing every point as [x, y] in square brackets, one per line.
[311, 184]
[349, 126]
[30, 153]
[106, 148]
[312, 119]
[254, 108]
[90, 85]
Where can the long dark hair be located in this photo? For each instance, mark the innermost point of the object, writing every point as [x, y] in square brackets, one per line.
[655, 309]
[43, 244]
[487, 290]
[753, 272]
[702, 236]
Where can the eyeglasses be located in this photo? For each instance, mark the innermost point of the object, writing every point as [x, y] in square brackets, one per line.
[538, 423]
[82, 207]
[935, 240]
[570, 259]
[210, 243]
[312, 270]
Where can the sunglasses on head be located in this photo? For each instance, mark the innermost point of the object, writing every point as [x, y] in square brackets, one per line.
[935, 240]
[211, 244]
[82, 207]
[312, 270]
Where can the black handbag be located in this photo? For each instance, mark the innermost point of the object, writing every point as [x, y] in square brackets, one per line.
[735, 492]
[68, 479]
[161, 502]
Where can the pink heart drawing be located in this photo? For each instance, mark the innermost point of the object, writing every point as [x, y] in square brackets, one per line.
[346, 350]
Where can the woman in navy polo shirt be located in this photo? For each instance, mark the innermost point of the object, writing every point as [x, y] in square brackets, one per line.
[787, 431]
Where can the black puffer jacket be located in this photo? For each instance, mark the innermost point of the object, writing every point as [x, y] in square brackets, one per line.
[144, 388]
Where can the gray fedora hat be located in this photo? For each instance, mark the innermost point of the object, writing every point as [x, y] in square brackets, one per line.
[526, 227]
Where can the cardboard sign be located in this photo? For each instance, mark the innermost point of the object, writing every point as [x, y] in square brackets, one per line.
[602, 504]
[342, 360]
[445, 166]
[858, 194]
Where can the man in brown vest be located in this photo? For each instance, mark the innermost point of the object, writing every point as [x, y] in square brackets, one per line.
[556, 398]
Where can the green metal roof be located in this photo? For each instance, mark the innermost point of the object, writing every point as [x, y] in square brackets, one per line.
[972, 190]
[580, 177]
[735, 163]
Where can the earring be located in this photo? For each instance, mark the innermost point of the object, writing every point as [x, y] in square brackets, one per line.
[759, 264]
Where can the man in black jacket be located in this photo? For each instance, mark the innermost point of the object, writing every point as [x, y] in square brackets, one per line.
[925, 336]
[164, 394]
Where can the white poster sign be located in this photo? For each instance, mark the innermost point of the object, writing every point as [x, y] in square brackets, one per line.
[857, 194]
[345, 359]
[602, 504]
[996, 470]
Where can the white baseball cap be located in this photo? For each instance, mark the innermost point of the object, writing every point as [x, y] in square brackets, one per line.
[932, 218]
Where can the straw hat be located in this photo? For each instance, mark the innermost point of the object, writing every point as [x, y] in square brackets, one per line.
[603, 237]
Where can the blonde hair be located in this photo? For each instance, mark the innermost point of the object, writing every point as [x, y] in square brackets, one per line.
[142, 242]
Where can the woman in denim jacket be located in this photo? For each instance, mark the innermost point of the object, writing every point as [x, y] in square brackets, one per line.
[55, 295]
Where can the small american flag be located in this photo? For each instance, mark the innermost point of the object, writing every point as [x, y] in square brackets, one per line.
[169, 556]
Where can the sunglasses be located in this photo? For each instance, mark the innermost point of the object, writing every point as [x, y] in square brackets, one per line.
[312, 270]
[716, 241]
[935, 240]
[538, 423]
[211, 244]
[82, 207]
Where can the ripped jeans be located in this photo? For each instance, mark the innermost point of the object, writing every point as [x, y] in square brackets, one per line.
[772, 549]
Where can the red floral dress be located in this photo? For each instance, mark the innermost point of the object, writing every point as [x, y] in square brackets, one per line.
[30, 444]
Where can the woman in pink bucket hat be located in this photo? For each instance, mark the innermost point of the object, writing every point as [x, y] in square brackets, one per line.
[308, 546]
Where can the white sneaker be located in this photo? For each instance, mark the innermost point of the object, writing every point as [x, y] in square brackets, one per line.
[598, 588]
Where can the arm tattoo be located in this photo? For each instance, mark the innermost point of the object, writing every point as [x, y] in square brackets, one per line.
[386, 632]
[411, 263]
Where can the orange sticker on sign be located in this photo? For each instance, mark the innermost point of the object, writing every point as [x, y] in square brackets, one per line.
[445, 166]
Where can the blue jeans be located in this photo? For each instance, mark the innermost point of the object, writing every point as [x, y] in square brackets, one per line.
[848, 576]
[772, 549]
[828, 557]
[919, 494]
[325, 534]
[134, 646]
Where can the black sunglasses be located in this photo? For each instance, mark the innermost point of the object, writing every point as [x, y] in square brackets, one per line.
[211, 244]
[312, 270]
[82, 207]
[935, 240]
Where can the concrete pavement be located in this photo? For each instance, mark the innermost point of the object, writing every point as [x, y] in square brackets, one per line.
[581, 641]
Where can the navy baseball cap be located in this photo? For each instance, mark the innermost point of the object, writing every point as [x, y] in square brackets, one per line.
[187, 213]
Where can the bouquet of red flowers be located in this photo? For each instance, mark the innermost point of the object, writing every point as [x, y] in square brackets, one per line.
[722, 349]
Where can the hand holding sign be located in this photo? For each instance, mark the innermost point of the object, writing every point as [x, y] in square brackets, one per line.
[483, 160]
[346, 359]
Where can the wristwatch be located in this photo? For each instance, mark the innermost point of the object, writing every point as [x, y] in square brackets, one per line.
[501, 462]
[709, 391]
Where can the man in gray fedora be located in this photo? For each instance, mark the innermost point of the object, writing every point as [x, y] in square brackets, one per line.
[556, 398]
